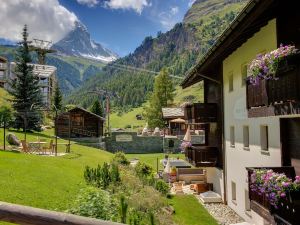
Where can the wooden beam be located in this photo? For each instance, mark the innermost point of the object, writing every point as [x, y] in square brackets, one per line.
[25, 215]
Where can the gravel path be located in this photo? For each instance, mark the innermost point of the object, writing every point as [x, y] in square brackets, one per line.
[222, 213]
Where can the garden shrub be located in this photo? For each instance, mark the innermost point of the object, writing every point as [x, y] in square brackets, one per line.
[101, 177]
[94, 202]
[120, 158]
[162, 187]
[143, 169]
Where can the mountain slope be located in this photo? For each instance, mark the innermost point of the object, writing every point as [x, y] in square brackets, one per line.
[177, 49]
[78, 42]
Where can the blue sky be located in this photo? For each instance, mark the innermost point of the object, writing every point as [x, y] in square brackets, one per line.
[123, 27]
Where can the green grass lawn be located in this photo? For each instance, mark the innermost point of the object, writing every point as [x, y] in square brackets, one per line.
[53, 182]
[188, 211]
[127, 119]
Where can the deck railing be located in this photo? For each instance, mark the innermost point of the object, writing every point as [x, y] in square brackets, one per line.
[202, 156]
[25, 215]
[284, 89]
[288, 209]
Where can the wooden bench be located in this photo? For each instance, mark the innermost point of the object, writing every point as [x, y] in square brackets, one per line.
[189, 175]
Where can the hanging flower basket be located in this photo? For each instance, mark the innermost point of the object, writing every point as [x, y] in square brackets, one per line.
[266, 66]
[274, 187]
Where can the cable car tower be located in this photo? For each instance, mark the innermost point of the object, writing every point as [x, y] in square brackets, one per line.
[41, 47]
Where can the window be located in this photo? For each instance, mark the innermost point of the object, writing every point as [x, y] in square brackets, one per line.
[233, 191]
[247, 201]
[246, 136]
[264, 142]
[232, 137]
[244, 69]
[230, 81]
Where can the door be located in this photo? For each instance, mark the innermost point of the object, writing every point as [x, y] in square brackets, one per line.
[290, 141]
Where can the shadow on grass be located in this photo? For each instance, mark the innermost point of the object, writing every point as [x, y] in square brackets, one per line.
[72, 155]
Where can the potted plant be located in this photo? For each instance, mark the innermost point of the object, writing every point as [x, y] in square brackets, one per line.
[265, 66]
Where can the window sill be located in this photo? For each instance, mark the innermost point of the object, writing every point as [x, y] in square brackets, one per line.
[234, 202]
[265, 152]
[246, 148]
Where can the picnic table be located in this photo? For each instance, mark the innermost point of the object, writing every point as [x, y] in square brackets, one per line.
[36, 145]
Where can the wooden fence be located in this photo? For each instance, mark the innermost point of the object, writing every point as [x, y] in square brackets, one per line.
[25, 215]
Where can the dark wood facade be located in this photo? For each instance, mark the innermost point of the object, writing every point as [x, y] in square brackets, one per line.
[79, 123]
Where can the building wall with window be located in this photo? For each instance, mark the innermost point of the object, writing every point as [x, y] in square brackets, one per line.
[249, 142]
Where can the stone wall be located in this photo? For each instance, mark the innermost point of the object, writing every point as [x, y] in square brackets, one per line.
[130, 142]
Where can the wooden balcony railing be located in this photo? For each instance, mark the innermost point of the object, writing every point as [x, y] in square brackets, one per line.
[201, 113]
[25, 215]
[284, 89]
[288, 209]
[202, 156]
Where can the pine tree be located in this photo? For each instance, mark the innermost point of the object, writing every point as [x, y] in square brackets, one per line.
[97, 108]
[25, 89]
[163, 96]
[57, 99]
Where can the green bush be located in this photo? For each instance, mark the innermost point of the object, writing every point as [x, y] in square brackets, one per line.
[101, 177]
[143, 169]
[94, 202]
[120, 158]
[162, 187]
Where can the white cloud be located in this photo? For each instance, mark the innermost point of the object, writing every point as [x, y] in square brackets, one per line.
[167, 18]
[89, 3]
[137, 5]
[191, 2]
[46, 19]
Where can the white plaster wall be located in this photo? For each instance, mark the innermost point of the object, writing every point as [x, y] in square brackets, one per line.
[215, 176]
[235, 114]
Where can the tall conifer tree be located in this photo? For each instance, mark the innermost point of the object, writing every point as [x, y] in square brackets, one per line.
[97, 108]
[57, 99]
[162, 96]
[25, 89]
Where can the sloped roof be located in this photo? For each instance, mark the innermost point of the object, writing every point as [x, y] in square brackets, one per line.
[86, 111]
[172, 112]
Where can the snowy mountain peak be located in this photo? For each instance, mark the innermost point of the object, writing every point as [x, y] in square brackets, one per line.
[78, 42]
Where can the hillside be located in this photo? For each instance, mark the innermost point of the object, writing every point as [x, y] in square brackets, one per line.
[177, 49]
[72, 71]
[128, 119]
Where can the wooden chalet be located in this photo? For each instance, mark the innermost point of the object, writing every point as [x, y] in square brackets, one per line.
[79, 123]
[174, 120]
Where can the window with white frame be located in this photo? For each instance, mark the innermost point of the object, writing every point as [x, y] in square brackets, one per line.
[246, 136]
[233, 191]
[264, 137]
[247, 201]
[232, 136]
[230, 82]
[244, 69]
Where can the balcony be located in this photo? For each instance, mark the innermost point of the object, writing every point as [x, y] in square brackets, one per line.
[276, 97]
[202, 156]
[287, 210]
[3, 66]
[201, 113]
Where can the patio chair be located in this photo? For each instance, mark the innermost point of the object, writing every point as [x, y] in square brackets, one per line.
[25, 148]
[49, 148]
[178, 187]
